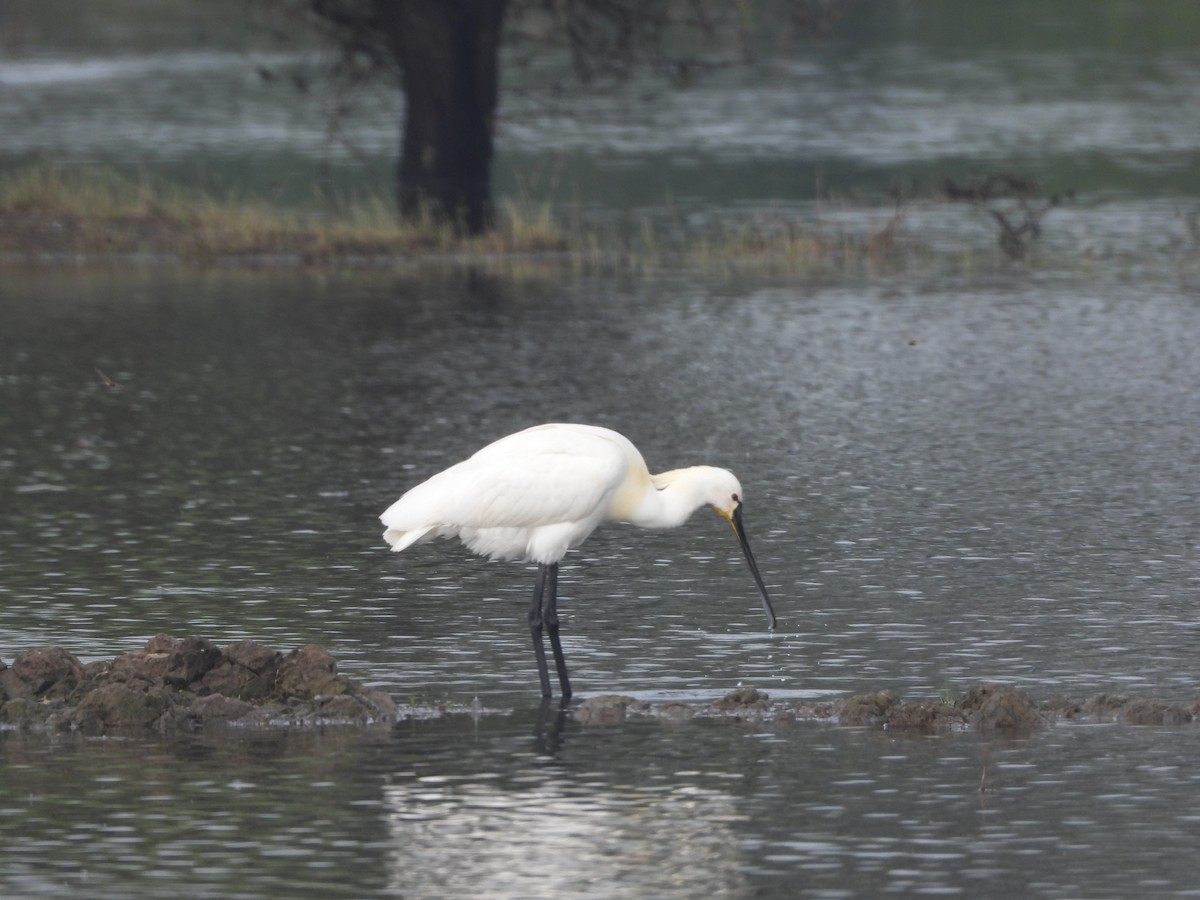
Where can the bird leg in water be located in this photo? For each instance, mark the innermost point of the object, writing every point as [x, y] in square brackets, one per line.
[546, 614]
[550, 617]
[535, 629]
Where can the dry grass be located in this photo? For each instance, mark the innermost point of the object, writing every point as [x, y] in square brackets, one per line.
[48, 210]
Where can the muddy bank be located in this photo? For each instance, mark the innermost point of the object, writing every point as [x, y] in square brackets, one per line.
[984, 707]
[190, 682]
[184, 684]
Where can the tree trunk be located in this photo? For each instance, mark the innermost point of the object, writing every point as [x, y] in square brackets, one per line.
[448, 52]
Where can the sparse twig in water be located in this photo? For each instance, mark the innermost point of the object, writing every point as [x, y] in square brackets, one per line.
[1016, 203]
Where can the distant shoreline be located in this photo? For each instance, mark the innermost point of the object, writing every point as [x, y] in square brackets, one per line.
[56, 214]
[51, 213]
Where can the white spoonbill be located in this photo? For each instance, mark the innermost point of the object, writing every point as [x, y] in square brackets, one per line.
[534, 495]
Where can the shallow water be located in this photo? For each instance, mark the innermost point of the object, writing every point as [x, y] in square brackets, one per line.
[947, 481]
[945, 484]
[506, 806]
[956, 475]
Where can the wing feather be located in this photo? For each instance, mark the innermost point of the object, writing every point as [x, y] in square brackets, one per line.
[540, 476]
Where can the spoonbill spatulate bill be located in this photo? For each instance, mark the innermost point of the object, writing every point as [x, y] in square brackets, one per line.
[534, 495]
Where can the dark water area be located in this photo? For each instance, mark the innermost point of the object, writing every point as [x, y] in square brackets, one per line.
[946, 483]
[508, 807]
[968, 472]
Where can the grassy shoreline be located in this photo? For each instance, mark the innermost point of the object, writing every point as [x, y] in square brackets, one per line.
[49, 211]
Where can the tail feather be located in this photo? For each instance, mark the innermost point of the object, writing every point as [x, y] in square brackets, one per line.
[400, 539]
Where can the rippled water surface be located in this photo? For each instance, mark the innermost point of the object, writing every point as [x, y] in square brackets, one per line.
[946, 482]
[510, 807]
[980, 471]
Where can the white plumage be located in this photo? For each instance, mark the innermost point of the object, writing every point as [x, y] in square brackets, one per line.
[530, 496]
[536, 494]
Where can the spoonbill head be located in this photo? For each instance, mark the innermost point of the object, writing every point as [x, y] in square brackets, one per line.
[536, 494]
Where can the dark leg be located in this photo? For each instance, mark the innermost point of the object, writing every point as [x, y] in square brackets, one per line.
[550, 728]
[535, 629]
[551, 619]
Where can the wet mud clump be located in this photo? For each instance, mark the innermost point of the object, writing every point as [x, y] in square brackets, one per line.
[988, 708]
[190, 683]
[884, 709]
[1000, 707]
[184, 684]
[1136, 710]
